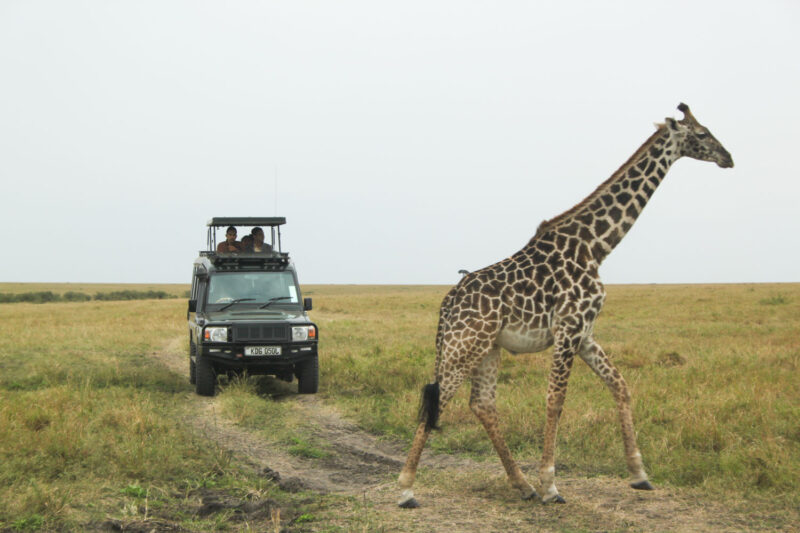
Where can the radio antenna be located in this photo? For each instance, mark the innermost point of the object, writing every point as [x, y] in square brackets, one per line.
[276, 191]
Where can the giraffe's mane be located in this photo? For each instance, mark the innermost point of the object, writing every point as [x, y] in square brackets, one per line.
[548, 224]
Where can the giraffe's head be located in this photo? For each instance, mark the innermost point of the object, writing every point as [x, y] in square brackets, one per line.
[695, 141]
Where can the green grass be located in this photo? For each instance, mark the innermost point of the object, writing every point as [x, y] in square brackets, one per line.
[246, 404]
[90, 422]
[303, 448]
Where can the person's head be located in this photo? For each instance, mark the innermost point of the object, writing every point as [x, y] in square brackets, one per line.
[247, 241]
[230, 234]
[258, 235]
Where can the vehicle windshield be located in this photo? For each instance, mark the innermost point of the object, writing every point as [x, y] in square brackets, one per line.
[253, 288]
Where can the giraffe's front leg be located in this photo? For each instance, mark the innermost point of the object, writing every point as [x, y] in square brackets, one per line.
[593, 354]
[556, 393]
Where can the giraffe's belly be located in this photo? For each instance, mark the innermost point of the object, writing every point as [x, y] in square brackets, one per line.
[525, 340]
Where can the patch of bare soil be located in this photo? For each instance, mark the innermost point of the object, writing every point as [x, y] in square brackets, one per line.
[364, 466]
[243, 511]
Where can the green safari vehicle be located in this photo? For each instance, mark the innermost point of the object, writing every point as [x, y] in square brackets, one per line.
[246, 313]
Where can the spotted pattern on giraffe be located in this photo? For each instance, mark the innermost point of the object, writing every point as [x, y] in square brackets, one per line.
[549, 294]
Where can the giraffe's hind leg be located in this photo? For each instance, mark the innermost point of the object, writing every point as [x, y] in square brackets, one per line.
[409, 472]
[598, 361]
[454, 375]
[482, 403]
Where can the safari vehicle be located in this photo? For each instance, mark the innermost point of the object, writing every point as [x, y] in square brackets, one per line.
[246, 313]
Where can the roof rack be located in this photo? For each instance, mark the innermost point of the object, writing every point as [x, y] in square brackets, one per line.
[274, 223]
[219, 222]
[248, 261]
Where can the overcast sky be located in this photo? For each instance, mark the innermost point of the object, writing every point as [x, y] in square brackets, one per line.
[402, 141]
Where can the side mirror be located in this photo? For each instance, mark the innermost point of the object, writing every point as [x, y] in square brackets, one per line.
[307, 304]
[192, 306]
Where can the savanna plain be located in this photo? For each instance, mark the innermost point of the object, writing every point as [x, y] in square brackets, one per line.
[97, 418]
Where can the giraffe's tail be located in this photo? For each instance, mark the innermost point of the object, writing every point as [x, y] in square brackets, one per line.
[429, 409]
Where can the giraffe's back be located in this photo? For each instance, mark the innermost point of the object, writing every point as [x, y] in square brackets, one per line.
[517, 300]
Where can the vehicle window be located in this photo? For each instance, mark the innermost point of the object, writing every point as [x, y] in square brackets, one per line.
[225, 287]
[193, 295]
[201, 293]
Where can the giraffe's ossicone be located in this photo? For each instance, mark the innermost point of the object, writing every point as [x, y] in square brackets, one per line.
[549, 294]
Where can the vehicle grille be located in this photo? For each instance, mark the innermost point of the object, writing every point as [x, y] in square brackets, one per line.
[260, 332]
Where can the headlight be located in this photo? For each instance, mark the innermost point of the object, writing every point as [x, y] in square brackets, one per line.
[304, 333]
[216, 334]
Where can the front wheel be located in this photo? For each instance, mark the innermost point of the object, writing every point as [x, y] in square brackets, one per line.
[206, 377]
[308, 376]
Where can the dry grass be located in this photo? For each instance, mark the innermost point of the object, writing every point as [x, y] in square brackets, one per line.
[712, 368]
[87, 416]
[89, 421]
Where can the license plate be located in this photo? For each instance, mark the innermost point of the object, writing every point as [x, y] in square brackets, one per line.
[262, 350]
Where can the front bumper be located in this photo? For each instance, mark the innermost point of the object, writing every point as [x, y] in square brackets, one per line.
[231, 356]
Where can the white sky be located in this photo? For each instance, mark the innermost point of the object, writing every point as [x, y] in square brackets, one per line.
[409, 139]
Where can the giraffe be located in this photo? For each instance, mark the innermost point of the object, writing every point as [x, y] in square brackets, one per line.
[549, 294]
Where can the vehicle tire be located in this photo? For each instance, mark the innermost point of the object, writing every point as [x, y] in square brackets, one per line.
[192, 366]
[308, 376]
[206, 377]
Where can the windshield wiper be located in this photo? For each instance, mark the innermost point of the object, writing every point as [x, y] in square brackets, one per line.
[273, 300]
[236, 301]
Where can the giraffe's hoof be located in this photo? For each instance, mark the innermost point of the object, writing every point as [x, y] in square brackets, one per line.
[555, 499]
[407, 500]
[531, 496]
[643, 485]
[409, 504]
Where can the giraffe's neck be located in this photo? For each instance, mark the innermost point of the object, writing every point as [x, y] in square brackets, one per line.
[601, 220]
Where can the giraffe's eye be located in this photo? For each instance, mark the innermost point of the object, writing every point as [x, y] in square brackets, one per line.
[701, 135]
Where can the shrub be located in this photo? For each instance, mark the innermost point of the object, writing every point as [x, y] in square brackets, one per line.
[30, 297]
[132, 295]
[73, 296]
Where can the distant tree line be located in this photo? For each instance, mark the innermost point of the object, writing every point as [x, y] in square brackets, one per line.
[42, 297]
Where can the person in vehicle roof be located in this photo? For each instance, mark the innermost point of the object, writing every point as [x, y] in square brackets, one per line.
[230, 244]
[258, 241]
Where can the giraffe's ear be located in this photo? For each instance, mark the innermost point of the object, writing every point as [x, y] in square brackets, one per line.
[672, 124]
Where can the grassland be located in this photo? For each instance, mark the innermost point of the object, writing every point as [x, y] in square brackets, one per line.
[713, 370]
[91, 425]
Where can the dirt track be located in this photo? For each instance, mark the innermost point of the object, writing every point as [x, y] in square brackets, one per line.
[363, 466]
